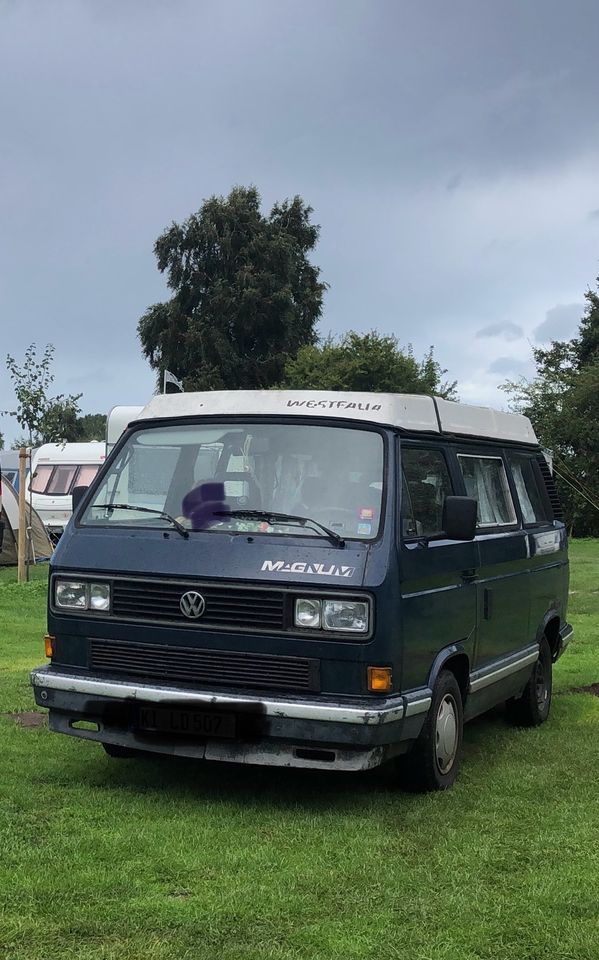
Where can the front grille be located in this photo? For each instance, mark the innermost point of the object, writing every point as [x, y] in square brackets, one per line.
[226, 606]
[188, 665]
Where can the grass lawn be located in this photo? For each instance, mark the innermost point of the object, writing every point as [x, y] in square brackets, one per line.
[168, 860]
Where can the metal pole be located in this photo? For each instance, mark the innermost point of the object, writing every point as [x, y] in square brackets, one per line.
[22, 539]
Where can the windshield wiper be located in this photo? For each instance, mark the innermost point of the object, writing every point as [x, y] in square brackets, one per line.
[160, 513]
[282, 518]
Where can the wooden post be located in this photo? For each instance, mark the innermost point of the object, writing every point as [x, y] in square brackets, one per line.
[22, 538]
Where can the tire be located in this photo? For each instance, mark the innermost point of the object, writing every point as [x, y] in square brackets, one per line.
[118, 752]
[434, 761]
[532, 708]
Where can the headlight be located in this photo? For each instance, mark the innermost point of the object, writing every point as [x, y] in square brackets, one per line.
[307, 613]
[74, 595]
[347, 616]
[99, 596]
[336, 616]
[71, 595]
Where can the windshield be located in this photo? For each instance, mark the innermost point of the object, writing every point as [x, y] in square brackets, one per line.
[333, 475]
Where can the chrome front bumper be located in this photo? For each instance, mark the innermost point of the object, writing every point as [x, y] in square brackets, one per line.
[343, 733]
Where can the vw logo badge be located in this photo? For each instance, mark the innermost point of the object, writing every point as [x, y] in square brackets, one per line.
[192, 604]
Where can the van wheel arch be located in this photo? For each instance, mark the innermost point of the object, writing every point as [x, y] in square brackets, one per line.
[457, 661]
[550, 630]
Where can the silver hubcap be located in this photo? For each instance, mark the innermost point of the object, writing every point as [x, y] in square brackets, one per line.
[446, 733]
[541, 686]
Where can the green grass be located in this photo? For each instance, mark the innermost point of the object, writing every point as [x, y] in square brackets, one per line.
[168, 860]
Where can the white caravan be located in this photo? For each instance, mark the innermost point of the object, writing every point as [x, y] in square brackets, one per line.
[118, 420]
[57, 469]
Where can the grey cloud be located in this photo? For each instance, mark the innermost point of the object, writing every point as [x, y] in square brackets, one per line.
[509, 331]
[594, 214]
[509, 366]
[434, 149]
[560, 322]
[454, 182]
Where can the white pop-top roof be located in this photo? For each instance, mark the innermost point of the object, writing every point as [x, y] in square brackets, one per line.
[405, 410]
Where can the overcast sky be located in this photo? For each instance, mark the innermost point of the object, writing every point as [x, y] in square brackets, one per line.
[450, 152]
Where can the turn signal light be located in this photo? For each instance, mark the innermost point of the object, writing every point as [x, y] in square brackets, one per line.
[49, 645]
[380, 679]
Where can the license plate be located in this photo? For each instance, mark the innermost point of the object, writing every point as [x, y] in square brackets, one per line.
[195, 723]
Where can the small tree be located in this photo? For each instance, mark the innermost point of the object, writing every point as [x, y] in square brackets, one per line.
[366, 362]
[46, 419]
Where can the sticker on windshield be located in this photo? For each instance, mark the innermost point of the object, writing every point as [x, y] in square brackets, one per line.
[364, 529]
[366, 513]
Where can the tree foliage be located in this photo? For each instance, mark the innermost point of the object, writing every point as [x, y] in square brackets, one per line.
[365, 362]
[562, 402]
[245, 295]
[91, 426]
[45, 418]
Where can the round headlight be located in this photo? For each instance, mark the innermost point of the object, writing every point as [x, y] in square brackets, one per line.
[99, 596]
[307, 613]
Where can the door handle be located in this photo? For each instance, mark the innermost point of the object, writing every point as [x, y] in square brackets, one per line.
[468, 576]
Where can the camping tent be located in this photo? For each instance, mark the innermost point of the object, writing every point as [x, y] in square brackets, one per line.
[37, 538]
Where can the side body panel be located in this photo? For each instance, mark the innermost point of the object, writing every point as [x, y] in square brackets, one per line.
[437, 593]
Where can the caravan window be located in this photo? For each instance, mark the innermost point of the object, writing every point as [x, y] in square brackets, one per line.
[61, 480]
[41, 476]
[86, 474]
[58, 480]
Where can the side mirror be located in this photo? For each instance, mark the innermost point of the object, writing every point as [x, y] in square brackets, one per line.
[459, 518]
[78, 495]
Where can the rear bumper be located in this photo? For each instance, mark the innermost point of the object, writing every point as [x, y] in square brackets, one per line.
[324, 732]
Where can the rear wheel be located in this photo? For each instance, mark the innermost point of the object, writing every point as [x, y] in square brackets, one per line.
[532, 708]
[434, 760]
[118, 752]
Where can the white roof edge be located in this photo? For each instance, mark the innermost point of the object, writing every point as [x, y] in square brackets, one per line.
[418, 412]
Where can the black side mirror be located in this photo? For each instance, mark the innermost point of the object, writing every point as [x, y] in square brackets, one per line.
[459, 518]
[78, 495]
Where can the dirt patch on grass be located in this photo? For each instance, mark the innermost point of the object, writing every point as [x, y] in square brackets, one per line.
[591, 688]
[28, 718]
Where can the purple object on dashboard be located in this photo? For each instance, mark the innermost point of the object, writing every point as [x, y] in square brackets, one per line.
[203, 504]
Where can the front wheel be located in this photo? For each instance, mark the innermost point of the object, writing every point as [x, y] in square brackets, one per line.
[434, 761]
[532, 708]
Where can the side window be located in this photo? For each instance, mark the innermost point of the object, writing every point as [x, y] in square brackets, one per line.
[61, 481]
[425, 484]
[86, 474]
[532, 503]
[39, 480]
[486, 481]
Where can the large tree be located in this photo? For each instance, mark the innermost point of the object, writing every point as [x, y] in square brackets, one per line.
[562, 401]
[369, 361]
[245, 294]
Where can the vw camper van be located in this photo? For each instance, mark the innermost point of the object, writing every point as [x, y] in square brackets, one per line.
[306, 579]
